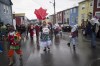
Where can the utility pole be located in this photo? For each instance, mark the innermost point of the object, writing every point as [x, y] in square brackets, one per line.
[54, 12]
[54, 17]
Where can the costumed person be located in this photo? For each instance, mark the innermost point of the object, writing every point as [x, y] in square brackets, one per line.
[51, 29]
[73, 36]
[56, 29]
[60, 28]
[45, 37]
[37, 28]
[31, 30]
[94, 29]
[14, 40]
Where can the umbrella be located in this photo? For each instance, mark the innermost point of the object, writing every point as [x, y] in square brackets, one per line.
[40, 13]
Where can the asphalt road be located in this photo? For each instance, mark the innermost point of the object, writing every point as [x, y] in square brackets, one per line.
[60, 54]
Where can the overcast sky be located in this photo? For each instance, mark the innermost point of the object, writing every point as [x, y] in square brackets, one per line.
[28, 6]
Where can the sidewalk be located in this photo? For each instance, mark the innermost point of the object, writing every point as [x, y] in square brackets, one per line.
[66, 35]
[85, 38]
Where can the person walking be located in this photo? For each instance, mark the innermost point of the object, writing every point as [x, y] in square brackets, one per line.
[45, 37]
[37, 29]
[56, 29]
[13, 39]
[94, 29]
[73, 36]
[31, 30]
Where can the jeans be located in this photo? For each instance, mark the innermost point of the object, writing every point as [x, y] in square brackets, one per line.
[73, 41]
[93, 39]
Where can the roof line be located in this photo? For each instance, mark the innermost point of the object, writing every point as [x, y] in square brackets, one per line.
[82, 1]
[6, 3]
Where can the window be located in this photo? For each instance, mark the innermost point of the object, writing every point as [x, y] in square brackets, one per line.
[74, 10]
[64, 21]
[67, 20]
[64, 12]
[4, 8]
[83, 6]
[97, 14]
[71, 10]
[7, 9]
[67, 12]
[60, 14]
[91, 3]
[98, 4]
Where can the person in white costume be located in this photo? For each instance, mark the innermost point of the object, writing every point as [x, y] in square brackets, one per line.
[45, 37]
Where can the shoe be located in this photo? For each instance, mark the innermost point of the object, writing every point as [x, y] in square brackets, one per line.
[93, 47]
[74, 47]
[68, 44]
[44, 50]
[11, 63]
[48, 49]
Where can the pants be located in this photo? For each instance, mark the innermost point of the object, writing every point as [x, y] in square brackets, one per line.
[11, 52]
[93, 39]
[73, 41]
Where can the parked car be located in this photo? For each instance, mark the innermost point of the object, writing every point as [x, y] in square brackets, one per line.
[66, 28]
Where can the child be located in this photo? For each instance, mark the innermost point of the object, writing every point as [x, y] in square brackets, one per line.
[14, 39]
[74, 35]
[45, 37]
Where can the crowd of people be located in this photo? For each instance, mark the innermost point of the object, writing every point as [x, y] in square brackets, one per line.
[44, 34]
[14, 37]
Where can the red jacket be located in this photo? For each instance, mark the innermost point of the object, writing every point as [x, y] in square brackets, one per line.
[31, 31]
[37, 28]
[11, 40]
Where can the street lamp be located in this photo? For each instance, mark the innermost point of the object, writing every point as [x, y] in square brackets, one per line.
[54, 11]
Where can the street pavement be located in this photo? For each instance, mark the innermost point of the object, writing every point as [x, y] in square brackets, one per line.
[60, 54]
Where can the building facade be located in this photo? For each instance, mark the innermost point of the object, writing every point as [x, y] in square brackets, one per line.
[51, 19]
[73, 16]
[59, 17]
[96, 8]
[6, 11]
[66, 16]
[85, 11]
[20, 19]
